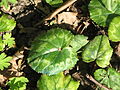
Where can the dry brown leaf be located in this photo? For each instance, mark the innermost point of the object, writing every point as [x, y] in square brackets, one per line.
[118, 50]
[68, 18]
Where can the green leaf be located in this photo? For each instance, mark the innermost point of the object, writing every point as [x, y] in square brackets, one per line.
[5, 3]
[114, 29]
[78, 42]
[17, 83]
[13, 1]
[8, 40]
[4, 61]
[51, 52]
[2, 45]
[103, 11]
[54, 3]
[110, 78]
[57, 82]
[6, 24]
[98, 49]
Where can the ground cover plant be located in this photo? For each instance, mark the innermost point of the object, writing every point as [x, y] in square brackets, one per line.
[59, 44]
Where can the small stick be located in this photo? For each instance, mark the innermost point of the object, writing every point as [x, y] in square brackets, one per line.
[64, 6]
[67, 4]
[97, 83]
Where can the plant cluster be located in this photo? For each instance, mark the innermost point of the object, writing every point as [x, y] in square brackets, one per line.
[6, 42]
[57, 50]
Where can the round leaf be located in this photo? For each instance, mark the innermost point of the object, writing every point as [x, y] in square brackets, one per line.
[6, 24]
[114, 29]
[110, 78]
[57, 82]
[51, 52]
[98, 49]
[103, 11]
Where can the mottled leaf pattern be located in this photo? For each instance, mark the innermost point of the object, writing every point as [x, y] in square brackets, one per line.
[98, 50]
[52, 53]
[103, 11]
[109, 78]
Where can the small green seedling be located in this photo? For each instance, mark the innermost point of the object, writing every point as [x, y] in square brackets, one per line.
[4, 61]
[17, 83]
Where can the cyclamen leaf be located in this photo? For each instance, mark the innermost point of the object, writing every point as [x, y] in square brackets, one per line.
[4, 61]
[57, 82]
[51, 52]
[8, 40]
[54, 3]
[17, 83]
[98, 49]
[103, 11]
[78, 42]
[110, 78]
[114, 29]
[6, 24]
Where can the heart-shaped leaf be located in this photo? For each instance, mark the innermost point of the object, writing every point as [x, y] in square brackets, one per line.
[103, 11]
[98, 49]
[53, 52]
[57, 82]
[114, 29]
[110, 78]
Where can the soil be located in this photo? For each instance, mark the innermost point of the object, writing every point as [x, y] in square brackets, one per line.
[27, 14]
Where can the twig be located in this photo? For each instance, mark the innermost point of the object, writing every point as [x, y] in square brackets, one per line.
[97, 83]
[64, 6]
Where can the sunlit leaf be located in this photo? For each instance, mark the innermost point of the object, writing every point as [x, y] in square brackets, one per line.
[6, 24]
[17, 83]
[5, 3]
[4, 61]
[114, 29]
[54, 3]
[57, 82]
[8, 40]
